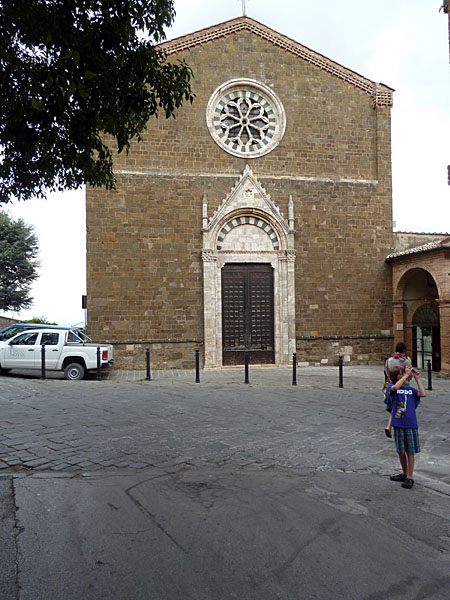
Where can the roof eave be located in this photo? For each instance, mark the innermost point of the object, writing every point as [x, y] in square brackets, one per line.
[418, 253]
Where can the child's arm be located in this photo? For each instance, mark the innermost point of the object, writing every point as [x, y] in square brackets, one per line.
[422, 392]
[403, 379]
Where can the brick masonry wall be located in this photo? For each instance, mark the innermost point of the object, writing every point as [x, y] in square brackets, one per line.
[144, 266]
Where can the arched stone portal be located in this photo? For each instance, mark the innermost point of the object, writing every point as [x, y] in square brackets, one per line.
[416, 316]
[248, 229]
[421, 282]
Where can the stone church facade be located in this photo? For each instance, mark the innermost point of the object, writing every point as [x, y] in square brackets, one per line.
[259, 219]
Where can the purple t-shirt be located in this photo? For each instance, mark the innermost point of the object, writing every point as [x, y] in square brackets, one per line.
[406, 394]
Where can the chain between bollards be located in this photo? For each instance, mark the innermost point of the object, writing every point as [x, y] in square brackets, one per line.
[246, 363]
[99, 365]
[341, 378]
[294, 369]
[430, 387]
[43, 361]
[147, 362]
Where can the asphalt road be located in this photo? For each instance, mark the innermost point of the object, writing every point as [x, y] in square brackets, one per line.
[173, 490]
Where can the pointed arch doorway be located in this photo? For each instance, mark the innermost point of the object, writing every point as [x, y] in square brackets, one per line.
[248, 278]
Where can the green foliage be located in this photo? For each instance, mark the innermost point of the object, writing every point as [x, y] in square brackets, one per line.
[18, 265]
[72, 71]
[42, 320]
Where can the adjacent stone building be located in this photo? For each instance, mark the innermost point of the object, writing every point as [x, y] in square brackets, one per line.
[259, 219]
[421, 292]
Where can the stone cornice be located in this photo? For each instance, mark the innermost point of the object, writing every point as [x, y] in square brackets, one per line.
[380, 93]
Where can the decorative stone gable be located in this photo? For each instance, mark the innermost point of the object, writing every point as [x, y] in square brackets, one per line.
[248, 227]
[248, 198]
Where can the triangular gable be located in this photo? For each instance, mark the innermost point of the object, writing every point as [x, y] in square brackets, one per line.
[381, 94]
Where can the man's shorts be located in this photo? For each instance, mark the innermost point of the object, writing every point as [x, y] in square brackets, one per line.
[406, 440]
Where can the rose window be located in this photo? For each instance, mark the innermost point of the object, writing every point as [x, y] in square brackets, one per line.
[245, 118]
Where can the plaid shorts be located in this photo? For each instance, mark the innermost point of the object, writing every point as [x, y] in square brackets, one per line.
[406, 440]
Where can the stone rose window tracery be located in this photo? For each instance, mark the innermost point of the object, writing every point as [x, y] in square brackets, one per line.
[245, 118]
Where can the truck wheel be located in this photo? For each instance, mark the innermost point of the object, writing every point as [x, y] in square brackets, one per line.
[74, 371]
[4, 371]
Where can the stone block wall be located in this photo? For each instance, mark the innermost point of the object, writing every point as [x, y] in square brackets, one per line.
[325, 351]
[5, 321]
[405, 240]
[164, 354]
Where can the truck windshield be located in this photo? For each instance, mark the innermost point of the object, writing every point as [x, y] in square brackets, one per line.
[9, 333]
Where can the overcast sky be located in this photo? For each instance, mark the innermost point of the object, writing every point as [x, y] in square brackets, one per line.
[402, 43]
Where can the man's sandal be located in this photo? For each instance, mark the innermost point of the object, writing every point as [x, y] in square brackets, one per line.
[398, 477]
[408, 483]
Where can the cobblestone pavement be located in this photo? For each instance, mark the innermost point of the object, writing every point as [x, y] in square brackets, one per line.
[124, 422]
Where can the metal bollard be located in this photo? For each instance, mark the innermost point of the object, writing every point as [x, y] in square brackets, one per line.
[43, 361]
[246, 363]
[341, 378]
[147, 360]
[99, 365]
[197, 366]
[294, 369]
[430, 387]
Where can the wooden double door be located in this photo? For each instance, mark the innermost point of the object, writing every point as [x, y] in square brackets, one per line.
[247, 313]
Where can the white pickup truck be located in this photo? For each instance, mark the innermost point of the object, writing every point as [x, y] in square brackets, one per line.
[63, 352]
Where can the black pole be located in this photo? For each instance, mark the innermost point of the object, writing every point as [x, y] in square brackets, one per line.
[430, 387]
[43, 361]
[197, 366]
[341, 378]
[99, 366]
[147, 359]
[246, 362]
[294, 369]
